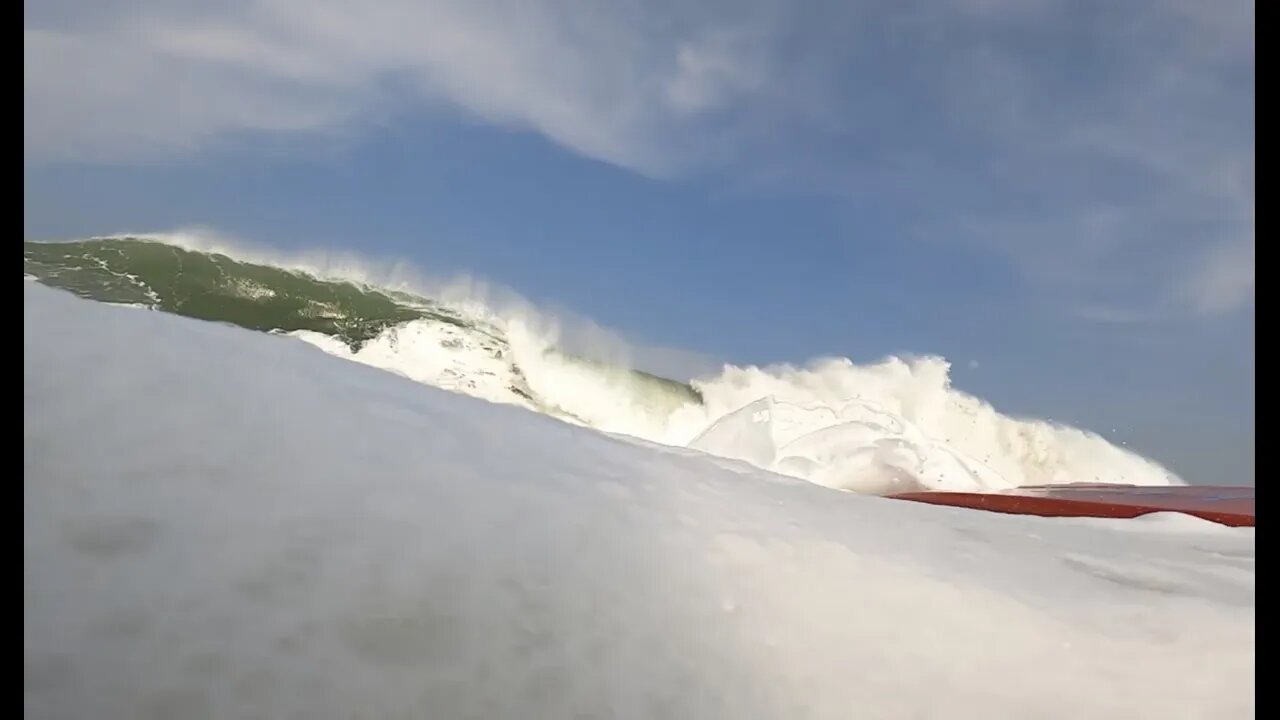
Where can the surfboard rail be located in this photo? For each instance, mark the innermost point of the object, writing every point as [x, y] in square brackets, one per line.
[1231, 505]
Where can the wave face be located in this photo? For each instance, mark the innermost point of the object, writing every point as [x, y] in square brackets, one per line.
[892, 426]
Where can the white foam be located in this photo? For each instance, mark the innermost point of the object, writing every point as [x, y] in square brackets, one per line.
[893, 425]
[222, 524]
[434, 353]
[900, 419]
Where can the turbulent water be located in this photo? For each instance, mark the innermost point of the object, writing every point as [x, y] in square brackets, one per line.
[891, 426]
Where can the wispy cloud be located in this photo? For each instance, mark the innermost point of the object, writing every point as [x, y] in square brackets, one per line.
[1106, 149]
[607, 81]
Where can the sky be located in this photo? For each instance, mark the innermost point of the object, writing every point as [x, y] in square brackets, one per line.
[1056, 196]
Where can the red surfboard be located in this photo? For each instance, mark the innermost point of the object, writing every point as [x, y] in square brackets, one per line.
[1226, 505]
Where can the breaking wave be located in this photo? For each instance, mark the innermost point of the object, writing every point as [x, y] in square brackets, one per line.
[892, 426]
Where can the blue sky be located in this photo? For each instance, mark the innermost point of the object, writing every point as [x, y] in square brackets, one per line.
[1056, 196]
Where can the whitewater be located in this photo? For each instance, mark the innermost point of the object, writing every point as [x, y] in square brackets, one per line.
[220, 523]
[895, 425]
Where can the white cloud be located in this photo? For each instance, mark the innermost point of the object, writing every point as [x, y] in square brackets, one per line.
[1111, 163]
[97, 97]
[607, 84]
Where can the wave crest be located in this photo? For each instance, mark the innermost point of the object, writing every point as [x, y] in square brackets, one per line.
[889, 426]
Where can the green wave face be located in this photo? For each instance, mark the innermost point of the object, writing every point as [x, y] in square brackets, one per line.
[219, 288]
[215, 287]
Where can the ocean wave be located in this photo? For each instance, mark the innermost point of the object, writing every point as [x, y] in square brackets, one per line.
[889, 426]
